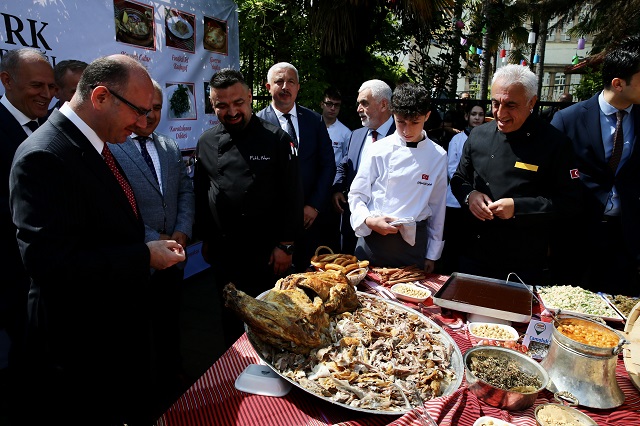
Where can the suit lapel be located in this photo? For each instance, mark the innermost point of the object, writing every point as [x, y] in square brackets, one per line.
[161, 147]
[361, 139]
[93, 160]
[135, 156]
[591, 122]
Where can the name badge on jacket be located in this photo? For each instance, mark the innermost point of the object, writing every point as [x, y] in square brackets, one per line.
[525, 166]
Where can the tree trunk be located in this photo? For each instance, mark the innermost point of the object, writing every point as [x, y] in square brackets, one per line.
[540, 48]
[456, 51]
[485, 66]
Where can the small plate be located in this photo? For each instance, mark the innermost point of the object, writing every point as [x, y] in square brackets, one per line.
[173, 21]
[410, 293]
[491, 421]
[475, 327]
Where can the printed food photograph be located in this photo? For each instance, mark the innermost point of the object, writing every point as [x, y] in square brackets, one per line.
[180, 29]
[134, 23]
[215, 35]
[181, 100]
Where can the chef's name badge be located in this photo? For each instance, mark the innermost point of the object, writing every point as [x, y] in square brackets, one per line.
[526, 166]
[259, 158]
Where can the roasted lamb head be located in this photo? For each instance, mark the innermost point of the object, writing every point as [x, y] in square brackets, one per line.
[294, 315]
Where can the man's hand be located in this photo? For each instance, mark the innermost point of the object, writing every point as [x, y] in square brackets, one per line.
[280, 261]
[338, 200]
[310, 214]
[381, 225]
[429, 266]
[165, 253]
[503, 208]
[180, 237]
[478, 203]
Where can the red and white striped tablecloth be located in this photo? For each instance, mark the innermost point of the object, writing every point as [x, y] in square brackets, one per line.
[214, 400]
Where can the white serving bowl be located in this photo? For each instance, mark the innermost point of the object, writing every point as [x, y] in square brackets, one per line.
[493, 331]
[410, 293]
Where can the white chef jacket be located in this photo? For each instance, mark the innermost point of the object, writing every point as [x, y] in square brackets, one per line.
[398, 181]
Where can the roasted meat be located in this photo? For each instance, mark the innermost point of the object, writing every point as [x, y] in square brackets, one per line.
[294, 315]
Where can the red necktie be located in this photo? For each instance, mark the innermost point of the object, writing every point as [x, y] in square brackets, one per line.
[111, 162]
[374, 136]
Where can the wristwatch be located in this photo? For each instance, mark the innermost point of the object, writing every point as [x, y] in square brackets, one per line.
[466, 199]
[287, 248]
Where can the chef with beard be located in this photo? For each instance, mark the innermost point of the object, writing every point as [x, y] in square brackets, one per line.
[248, 195]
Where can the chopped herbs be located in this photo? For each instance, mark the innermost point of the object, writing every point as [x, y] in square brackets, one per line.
[179, 102]
[503, 373]
[576, 299]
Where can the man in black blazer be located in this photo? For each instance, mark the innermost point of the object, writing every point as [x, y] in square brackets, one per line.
[29, 85]
[88, 356]
[315, 156]
[601, 250]
[374, 97]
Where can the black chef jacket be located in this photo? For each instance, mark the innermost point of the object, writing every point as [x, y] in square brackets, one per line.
[248, 194]
[535, 166]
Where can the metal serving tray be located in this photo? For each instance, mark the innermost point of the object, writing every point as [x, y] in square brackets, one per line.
[507, 300]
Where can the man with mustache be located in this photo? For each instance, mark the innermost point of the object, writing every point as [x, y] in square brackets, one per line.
[317, 164]
[515, 177]
[374, 98]
[248, 195]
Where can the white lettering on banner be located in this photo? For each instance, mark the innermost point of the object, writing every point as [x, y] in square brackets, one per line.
[62, 30]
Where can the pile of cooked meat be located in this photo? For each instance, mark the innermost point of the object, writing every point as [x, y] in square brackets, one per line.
[351, 348]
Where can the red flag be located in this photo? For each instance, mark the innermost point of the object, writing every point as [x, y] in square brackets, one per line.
[574, 174]
[425, 177]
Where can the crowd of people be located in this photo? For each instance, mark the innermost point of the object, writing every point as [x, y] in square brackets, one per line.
[99, 208]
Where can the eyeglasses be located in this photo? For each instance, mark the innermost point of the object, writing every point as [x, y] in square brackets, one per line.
[138, 110]
[330, 104]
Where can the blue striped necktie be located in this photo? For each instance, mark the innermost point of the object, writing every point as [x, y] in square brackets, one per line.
[142, 140]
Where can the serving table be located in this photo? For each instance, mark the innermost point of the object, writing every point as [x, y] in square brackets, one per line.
[214, 400]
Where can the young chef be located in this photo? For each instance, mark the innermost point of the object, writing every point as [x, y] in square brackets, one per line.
[398, 196]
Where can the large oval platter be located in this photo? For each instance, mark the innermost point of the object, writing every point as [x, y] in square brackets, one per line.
[367, 302]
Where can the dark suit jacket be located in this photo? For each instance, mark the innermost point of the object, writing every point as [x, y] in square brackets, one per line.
[315, 155]
[84, 249]
[348, 168]
[15, 280]
[581, 123]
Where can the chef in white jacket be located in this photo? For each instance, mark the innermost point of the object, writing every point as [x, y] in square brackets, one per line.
[398, 197]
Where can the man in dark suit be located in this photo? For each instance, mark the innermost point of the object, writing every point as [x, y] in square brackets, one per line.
[67, 74]
[164, 194]
[601, 250]
[374, 97]
[81, 237]
[29, 85]
[315, 156]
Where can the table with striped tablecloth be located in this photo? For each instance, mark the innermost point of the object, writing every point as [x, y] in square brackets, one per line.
[214, 400]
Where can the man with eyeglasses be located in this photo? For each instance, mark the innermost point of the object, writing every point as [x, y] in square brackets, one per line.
[89, 344]
[338, 132]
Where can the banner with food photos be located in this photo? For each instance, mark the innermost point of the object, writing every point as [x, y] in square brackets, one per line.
[182, 43]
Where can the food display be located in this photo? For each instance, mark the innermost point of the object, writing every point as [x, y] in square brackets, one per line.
[391, 276]
[503, 373]
[577, 300]
[483, 330]
[344, 263]
[134, 24]
[215, 37]
[374, 356]
[180, 101]
[588, 333]
[411, 293]
[561, 415]
[624, 304]
[490, 421]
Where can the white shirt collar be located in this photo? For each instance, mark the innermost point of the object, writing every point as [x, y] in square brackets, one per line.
[93, 137]
[384, 128]
[293, 112]
[17, 114]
